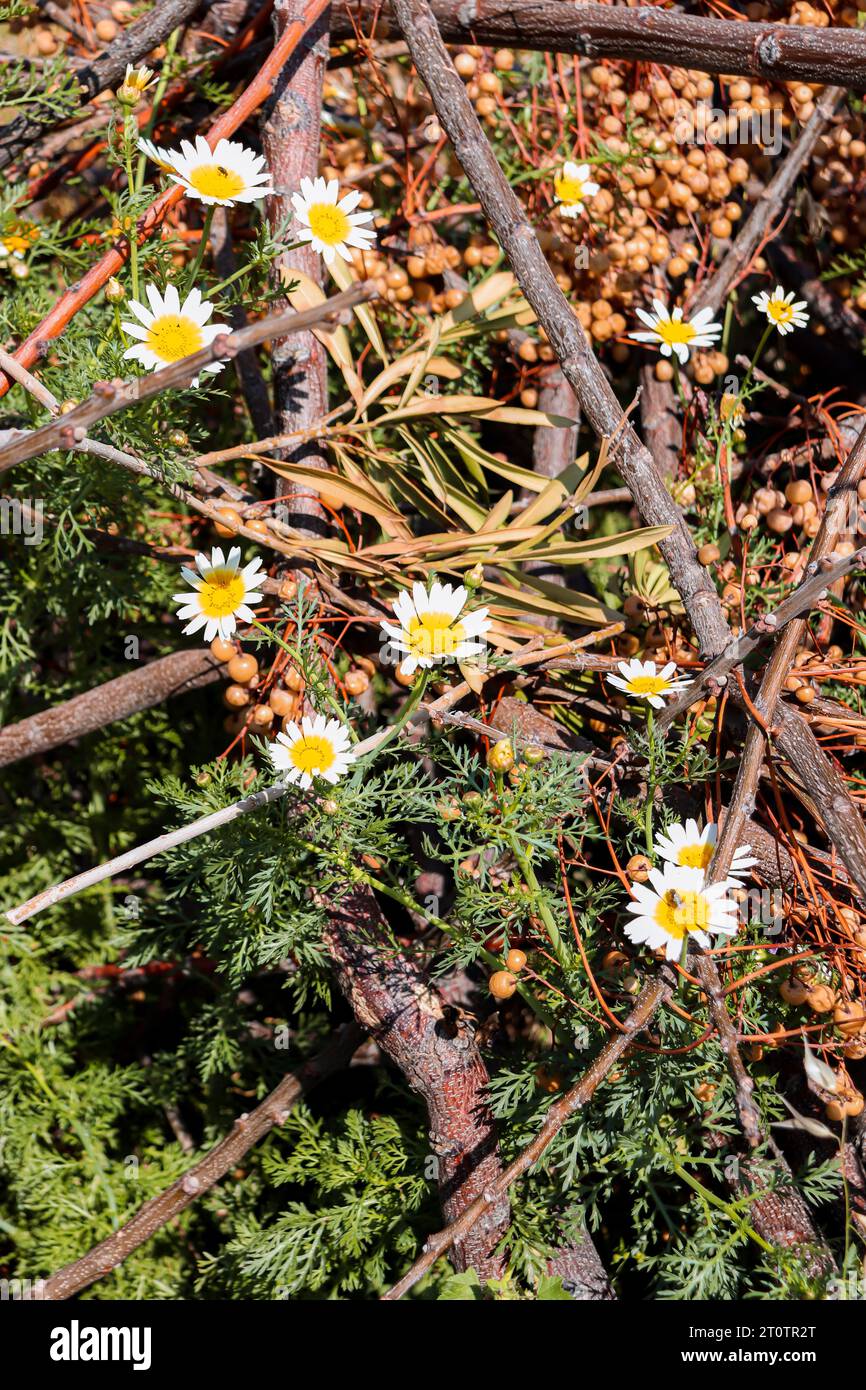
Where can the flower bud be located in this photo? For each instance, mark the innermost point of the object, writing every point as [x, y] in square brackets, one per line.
[114, 291]
[475, 577]
[501, 756]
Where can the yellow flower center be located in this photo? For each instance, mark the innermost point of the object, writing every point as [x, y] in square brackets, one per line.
[172, 336]
[434, 634]
[695, 856]
[312, 753]
[569, 191]
[17, 245]
[329, 224]
[648, 685]
[678, 913]
[674, 331]
[214, 181]
[779, 311]
[221, 593]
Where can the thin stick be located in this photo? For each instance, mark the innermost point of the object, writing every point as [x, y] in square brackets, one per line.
[165, 1206]
[108, 397]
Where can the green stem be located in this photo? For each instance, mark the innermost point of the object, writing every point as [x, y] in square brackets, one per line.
[129, 132]
[158, 94]
[403, 717]
[543, 907]
[224, 284]
[651, 781]
[714, 1201]
[754, 362]
[292, 652]
[202, 246]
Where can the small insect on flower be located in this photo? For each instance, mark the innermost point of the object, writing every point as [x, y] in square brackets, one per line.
[782, 310]
[169, 330]
[677, 904]
[328, 222]
[571, 186]
[642, 680]
[222, 593]
[674, 334]
[691, 848]
[227, 174]
[316, 748]
[435, 626]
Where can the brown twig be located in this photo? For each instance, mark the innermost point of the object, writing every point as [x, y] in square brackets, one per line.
[820, 575]
[247, 1131]
[437, 1054]
[793, 735]
[648, 35]
[291, 136]
[110, 396]
[149, 685]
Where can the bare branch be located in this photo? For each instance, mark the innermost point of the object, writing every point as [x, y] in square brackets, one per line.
[649, 34]
[247, 1131]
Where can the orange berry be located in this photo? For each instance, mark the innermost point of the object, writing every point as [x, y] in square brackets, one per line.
[223, 650]
[231, 521]
[821, 999]
[242, 668]
[502, 984]
[638, 868]
[515, 960]
[282, 702]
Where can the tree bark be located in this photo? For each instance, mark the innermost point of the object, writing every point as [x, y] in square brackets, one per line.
[149, 685]
[391, 998]
[291, 135]
[780, 52]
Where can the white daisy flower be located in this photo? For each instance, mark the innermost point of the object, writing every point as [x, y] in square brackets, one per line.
[139, 77]
[318, 748]
[677, 905]
[691, 848]
[434, 627]
[571, 186]
[222, 593]
[782, 310]
[329, 223]
[674, 334]
[169, 330]
[227, 174]
[642, 680]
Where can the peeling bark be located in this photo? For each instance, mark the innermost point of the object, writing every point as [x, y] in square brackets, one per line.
[391, 998]
[118, 699]
[291, 135]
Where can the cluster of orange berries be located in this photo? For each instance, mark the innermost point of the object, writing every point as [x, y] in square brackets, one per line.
[256, 703]
[800, 508]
